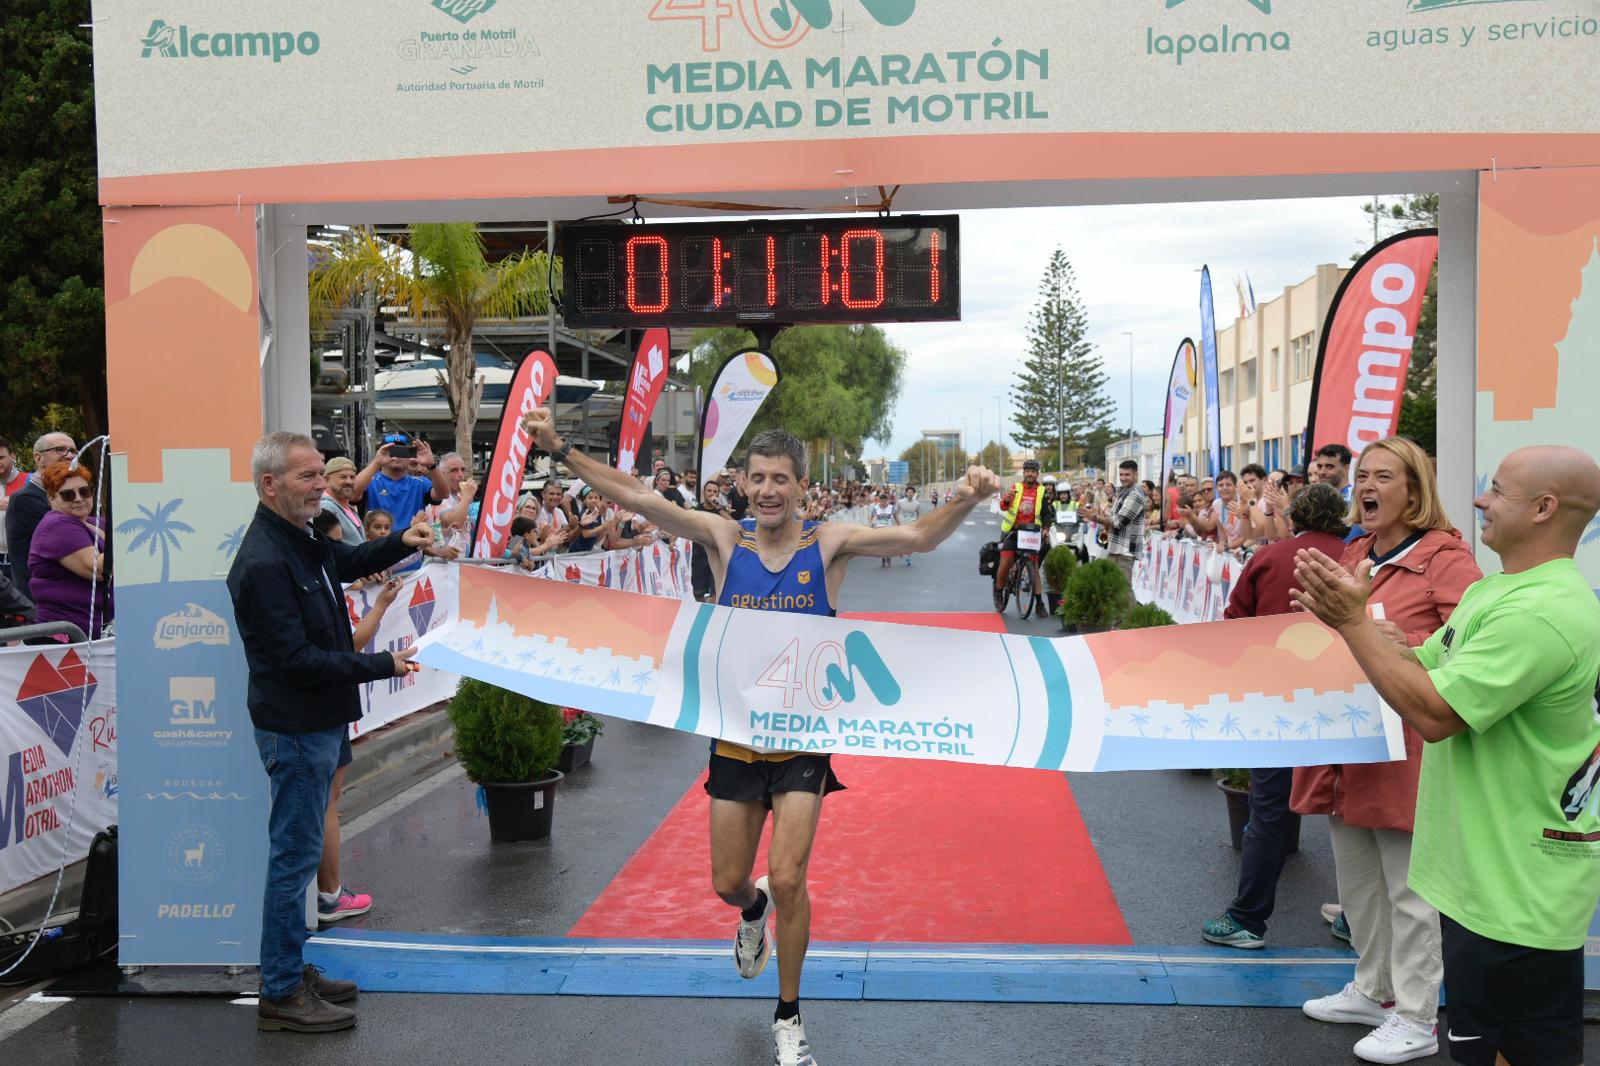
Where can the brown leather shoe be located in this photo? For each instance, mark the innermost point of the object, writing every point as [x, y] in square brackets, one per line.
[329, 990]
[302, 1011]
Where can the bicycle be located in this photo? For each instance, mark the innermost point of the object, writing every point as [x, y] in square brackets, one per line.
[1024, 582]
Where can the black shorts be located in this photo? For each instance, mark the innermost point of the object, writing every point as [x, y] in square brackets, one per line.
[756, 782]
[1524, 1003]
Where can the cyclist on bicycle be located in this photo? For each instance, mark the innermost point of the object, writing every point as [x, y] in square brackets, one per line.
[1026, 506]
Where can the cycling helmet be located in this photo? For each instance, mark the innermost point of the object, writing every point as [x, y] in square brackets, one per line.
[1030, 464]
[1048, 479]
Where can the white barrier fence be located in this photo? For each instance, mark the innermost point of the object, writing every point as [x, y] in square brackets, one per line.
[58, 754]
[1189, 579]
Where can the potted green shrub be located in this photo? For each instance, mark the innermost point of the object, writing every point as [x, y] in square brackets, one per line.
[1235, 786]
[1096, 597]
[1145, 616]
[578, 730]
[508, 744]
[1058, 566]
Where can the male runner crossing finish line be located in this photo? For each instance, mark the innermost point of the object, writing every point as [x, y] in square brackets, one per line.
[772, 562]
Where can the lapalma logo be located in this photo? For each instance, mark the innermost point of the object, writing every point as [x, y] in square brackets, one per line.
[54, 696]
[774, 23]
[180, 42]
[1226, 40]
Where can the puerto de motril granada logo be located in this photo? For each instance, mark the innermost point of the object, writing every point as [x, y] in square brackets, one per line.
[181, 42]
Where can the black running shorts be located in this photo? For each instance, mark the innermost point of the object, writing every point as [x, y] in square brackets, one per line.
[756, 782]
[1524, 1003]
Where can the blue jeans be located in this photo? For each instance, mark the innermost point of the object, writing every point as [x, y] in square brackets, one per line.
[1266, 836]
[299, 772]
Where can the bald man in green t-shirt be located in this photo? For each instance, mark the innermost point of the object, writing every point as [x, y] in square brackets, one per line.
[1507, 694]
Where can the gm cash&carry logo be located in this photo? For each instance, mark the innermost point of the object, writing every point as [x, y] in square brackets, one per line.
[180, 42]
[773, 23]
[1226, 40]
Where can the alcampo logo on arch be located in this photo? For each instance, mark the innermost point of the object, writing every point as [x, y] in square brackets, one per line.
[1227, 39]
[182, 42]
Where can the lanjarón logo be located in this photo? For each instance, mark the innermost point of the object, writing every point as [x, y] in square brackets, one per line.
[180, 42]
[1226, 40]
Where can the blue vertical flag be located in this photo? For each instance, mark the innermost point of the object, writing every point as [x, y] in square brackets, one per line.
[1208, 356]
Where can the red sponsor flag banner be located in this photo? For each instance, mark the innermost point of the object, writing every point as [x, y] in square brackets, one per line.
[649, 373]
[1367, 340]
[531, 387]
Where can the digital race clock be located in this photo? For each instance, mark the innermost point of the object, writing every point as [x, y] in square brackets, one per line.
[773, 271]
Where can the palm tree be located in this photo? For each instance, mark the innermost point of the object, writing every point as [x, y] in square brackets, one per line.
[476, 646]
[642, 678]
[445, 279]
[1281, 723]
[1230, 724]
[1193, 722]
[1304, 729]
[158, 529]
[614, 678]
[1322, 719]
[1140, 721]
[1592, 533]
[230, 544]
[525, 657]
[1355, 715]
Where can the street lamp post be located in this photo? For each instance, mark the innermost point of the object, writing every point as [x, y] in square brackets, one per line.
[1132, 448]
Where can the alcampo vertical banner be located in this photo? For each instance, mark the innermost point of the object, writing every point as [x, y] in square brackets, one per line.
[531, 386]
[649, 373]
[742, 385]
[1208, 351]
[1180, 388]
[1367, 340]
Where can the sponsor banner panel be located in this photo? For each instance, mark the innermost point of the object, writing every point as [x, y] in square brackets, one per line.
[740, 387]
[530, 388]
[417, 608]
[58, 755]
[1253, 692]
[645, 380]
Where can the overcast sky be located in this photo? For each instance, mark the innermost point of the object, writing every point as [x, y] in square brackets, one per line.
[1137, 269]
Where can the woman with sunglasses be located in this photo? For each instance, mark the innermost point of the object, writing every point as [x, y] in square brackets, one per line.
[67, 559]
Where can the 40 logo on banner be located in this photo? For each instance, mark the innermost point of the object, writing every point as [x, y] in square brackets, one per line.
[773, 23]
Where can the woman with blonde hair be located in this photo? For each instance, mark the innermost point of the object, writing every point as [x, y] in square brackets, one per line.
[1419, 567]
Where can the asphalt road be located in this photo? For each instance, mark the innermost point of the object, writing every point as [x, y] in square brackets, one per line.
[1162, 838]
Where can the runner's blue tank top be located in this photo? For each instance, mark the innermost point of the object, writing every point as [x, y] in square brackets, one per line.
[799, 588]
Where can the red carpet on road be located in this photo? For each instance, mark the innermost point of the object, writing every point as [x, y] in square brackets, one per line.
[914, 851]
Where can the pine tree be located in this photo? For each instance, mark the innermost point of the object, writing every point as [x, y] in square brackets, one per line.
[1059, 399]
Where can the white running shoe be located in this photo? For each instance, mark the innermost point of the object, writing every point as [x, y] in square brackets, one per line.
[790, 1047]
[1348, 1005]
[1398, 1040]
[752, 947]
[1331, 912]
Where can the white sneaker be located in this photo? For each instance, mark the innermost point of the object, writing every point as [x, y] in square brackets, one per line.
[790, 1047]
[1398, 1040]
[752, 947]
[1348, 1005]
[1331, 912]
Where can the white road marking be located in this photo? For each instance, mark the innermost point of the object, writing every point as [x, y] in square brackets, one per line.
[30, 1010]
[427, 786]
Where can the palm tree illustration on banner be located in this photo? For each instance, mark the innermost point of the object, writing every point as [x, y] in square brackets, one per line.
[1355, 715]
[1304, 729]
[1593, 532]
[614, 679]
[158, 529]
[1193, 723]
[1230, 724]
[1140, 721]
[642, 678]
[1322, 720]
[230, 544]
[525, 657]
[1281, 723]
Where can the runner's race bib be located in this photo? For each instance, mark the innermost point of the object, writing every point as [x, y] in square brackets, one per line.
[1029, 542]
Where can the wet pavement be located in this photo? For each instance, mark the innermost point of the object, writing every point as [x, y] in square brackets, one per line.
[1162, 839]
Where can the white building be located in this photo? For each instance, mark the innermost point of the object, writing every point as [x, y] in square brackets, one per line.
[1145, 450]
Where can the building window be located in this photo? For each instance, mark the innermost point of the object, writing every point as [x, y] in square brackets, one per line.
[1247, 384]
[1273, 370]
[1304, 353]
[1225, 387]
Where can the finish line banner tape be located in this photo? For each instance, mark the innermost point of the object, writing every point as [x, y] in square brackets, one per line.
[1278, 691]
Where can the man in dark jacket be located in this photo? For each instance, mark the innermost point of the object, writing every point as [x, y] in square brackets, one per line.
[304, 670]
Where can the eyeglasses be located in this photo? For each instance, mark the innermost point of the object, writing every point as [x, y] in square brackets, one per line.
[64, 449]
[74, 495]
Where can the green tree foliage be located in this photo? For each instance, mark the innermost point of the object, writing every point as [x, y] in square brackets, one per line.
[446, 279]
[1059, 397]
[1419, 405]
[1094, 446]
[503, 737]
[923, 458]
[837, 383]
[996, 457]
[52, 304]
